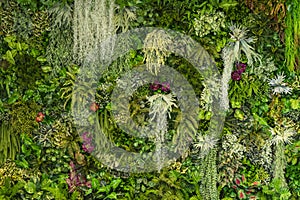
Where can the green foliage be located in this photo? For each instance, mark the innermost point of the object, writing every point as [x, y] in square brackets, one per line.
[293, 168]
[208, 185]
[23, 117]
[9, 143]
[292, 36]
[37, 74]
[276, 191]
[247, 88]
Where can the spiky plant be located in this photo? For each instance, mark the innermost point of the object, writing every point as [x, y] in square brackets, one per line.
[281, 135]
[205, 143]
[232, 53]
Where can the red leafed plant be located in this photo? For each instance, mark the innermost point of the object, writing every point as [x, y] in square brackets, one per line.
[76, 179]
[244, 189]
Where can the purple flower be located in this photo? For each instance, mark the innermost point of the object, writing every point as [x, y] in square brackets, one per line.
[87, 142]
[87, 147]
[155, 86]
[165, 86]
[241, 67]
[86, 137]
[76, 180]
[236, 76]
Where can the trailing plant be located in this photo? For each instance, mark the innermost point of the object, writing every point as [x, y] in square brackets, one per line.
[292, 35]
[155, 50]
[292, 168]
[160, 108]
[93, 22]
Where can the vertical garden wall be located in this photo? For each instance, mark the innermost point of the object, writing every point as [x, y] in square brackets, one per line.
[150, 99]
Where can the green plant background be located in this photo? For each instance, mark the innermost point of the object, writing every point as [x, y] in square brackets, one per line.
[37, 74]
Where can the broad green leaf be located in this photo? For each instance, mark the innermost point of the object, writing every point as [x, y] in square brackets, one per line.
[294, 161]
[41, 59]
[112, 196]
[30, 187]
[9, 57]
[115, 183]
[46, 69]
[295, 104]
[260, 120]
[95, 183]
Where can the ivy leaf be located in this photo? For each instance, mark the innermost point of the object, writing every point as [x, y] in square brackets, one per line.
[9, 57]
[112, 196]
[295, 104]
[95, 183]
[294, 161]
[115, 183]
[260, 120]
[30, 187]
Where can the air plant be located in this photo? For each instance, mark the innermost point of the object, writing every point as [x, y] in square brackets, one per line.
[160, 107]
[205, 143]
[232, 52]
[279, 87]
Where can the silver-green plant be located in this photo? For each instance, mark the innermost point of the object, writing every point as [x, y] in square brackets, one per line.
[160, 109]
[264, 70]
[210, 22]
[279, 87]
[93, 22]
[281, 134]
[232, 53]
[124, 18]
[153, 56]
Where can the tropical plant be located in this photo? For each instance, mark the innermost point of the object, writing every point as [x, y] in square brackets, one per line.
[232, 53]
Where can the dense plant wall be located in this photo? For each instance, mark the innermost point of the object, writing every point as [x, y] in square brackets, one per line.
[255, 45]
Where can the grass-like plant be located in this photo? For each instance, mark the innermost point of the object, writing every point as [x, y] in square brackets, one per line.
[9, 143]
